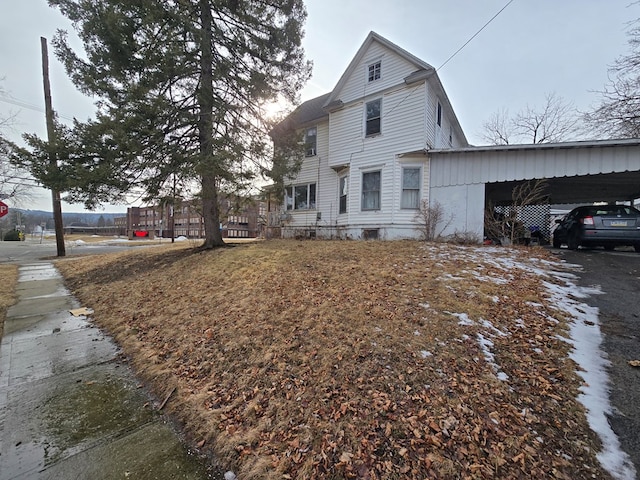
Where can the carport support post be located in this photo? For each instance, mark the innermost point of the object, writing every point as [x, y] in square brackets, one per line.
[51, 137]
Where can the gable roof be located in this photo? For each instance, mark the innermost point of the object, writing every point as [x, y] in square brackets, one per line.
[424, 71]
[374, 37]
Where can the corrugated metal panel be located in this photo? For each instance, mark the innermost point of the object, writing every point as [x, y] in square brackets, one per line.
[466, 166]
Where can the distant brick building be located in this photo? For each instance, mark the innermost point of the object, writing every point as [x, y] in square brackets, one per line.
[239, 218]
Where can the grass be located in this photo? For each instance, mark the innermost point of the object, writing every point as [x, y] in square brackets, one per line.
[8, 280]
[350, 359]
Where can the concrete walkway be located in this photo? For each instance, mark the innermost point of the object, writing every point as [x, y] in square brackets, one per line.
[68, 408]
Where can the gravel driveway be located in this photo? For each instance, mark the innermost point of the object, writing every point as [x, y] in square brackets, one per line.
[617, 274]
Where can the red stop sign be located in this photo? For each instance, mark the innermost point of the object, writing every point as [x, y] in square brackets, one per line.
[4, 209]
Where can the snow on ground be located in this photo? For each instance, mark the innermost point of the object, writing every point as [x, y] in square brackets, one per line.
[585, 337]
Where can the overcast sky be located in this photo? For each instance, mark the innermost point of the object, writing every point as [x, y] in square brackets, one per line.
[534, 47]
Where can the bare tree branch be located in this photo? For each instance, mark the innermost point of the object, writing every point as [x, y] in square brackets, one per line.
[556, 121]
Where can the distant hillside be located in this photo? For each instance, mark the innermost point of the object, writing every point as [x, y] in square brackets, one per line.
[89, 218]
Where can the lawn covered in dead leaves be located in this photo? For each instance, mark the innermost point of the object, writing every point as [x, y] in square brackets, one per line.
[339, 359]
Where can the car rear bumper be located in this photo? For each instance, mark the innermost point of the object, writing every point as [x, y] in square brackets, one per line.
[618, 237]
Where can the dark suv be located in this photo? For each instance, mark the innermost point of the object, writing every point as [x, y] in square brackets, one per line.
[607, 226]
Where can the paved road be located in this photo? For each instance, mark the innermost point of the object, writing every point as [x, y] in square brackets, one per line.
[618, 276]
[33, 249]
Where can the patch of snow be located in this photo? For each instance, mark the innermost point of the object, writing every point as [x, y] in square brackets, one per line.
[463, 318]
[424, 305]
[181, 238]
[495, 299]
[451, 277]
[586, 339]
[416, 333]
[485, 346]
[487, 324]
[425, 353]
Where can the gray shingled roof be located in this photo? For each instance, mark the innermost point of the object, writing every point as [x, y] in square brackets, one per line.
[309, 111]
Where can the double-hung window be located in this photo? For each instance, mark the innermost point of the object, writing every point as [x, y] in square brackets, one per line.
[310, 141]
[344, 186]
[300, 197]
[373, 110]
[410, 188]
[371, 190]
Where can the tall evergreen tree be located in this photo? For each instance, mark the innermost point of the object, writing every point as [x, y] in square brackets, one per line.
[180, 87]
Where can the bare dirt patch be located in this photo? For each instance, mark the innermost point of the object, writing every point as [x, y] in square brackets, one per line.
[351, 359]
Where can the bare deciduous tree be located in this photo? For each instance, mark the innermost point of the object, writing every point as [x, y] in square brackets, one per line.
[431, 220]
[618, 114]
[556, 121]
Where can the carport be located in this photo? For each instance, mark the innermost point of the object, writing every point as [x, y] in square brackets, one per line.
[464, 181]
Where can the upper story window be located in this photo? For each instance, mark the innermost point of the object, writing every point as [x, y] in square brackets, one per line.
[373, 110]
[310, 141]
[300, 197]
[374, 71]
[439, 114]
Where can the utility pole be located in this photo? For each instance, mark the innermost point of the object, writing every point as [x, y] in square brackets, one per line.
[53, 159]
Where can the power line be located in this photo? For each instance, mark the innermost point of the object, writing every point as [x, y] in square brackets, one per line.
[475, 35]
[30, 106]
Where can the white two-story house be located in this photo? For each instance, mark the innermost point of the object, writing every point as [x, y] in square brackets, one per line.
[366, 172]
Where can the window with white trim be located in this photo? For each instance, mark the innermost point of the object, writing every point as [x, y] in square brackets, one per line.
[372, 112]
[344, 186]
[410, 188]
[373, 71]
[310, 141]
[439, 114]
[300, 197]
[371, 190]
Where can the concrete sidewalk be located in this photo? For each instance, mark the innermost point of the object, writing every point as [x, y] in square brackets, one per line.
[68, 408]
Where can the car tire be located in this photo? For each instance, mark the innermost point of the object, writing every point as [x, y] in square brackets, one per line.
[573, 239]
[556, 242]
[609, 248]
[636, 247]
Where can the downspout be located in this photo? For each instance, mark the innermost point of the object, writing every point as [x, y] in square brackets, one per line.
[318, 212]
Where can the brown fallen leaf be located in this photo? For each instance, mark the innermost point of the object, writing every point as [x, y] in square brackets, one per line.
[634, 363]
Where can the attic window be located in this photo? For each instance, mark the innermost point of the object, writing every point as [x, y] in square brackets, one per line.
[439, 115]
[374, 71]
